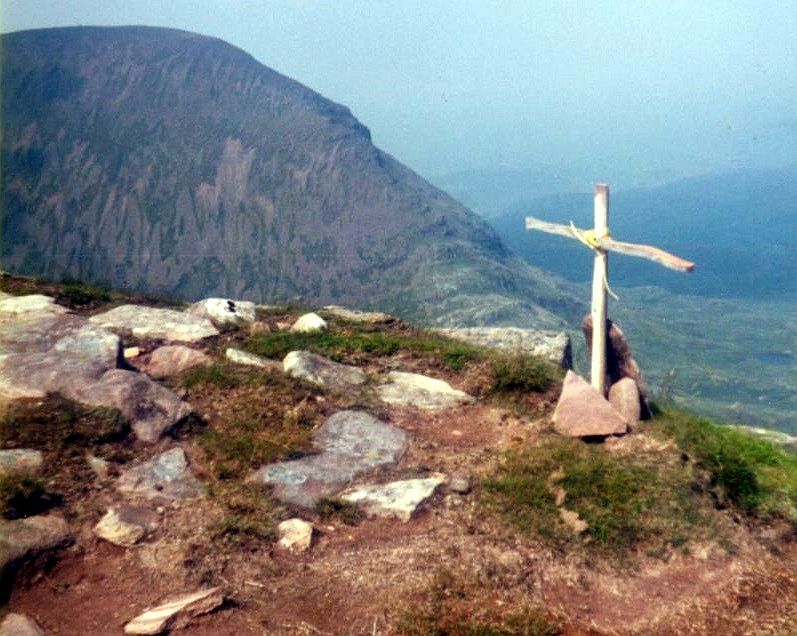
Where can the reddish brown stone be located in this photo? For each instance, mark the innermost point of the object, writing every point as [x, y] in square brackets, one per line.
[624, 397]
[583, 412]
[620, 362]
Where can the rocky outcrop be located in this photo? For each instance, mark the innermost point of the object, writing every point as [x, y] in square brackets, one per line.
[551, 345]
[152, 322]
[349, 443]
[420, 391]
[44, 350]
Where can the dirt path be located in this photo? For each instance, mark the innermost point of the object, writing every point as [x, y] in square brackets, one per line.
[361, 579]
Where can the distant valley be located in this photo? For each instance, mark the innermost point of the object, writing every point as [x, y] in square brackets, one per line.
[721, 340]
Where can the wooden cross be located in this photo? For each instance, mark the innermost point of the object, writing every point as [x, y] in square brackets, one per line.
[600, 241]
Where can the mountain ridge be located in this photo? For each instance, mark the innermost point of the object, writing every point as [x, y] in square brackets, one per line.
[155, 159]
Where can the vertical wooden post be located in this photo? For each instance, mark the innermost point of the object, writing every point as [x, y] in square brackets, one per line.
[599, 277]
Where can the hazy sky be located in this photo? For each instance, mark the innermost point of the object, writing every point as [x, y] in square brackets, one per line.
[679, 86]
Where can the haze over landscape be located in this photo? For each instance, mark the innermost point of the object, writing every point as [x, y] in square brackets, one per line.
[279, 356]
[517, 110]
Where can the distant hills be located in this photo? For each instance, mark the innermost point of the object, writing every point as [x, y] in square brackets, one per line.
[160, 160]
[740, 229]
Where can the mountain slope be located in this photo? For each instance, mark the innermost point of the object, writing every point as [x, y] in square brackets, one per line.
[160, 160]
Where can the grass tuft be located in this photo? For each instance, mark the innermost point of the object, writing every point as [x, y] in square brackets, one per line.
[754, 475]
[250, 516]
[522, 372]
[627, 501]
[218, 375]
[23, 496]
[78, 295]
[330, 508]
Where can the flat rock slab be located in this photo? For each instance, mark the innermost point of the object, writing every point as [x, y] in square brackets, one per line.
[173, 359]
[52, 352]
[398, 499]
[150, 408]
[237, 356]
[350, 443]
[164, 477]
[309, 323]
[420, 391]
[323, 372]
[176, 613]
[224, 312]
[151, 322]
[125, 525]
[20, 461]
[30, 304]
[551, 345]
[24, 539]
[583, 412]
[19, 625]
[368, 317]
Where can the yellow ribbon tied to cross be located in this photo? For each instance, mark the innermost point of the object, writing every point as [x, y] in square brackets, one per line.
[591, 239]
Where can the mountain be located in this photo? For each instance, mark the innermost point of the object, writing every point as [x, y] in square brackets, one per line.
[160, 160]
[740, 229]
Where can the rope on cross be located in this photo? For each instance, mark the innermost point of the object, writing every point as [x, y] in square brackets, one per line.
[600, 241]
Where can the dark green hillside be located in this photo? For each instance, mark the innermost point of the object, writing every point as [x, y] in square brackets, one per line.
[159, 160]
[740, 229]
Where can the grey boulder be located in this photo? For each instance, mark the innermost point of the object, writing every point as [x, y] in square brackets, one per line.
[151, 409]
[349, 443]
[323, 372]
[164, 477]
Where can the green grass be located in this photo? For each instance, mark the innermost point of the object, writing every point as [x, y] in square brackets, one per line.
[522, 372]
[23, 496]
[80, 295]
[350, 342]
[330, 508]
[627, 501]
[752, 474]
[64, 432]
[219, 375]
[249, 514]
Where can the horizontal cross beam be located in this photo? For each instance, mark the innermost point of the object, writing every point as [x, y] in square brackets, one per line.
[608, 244]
